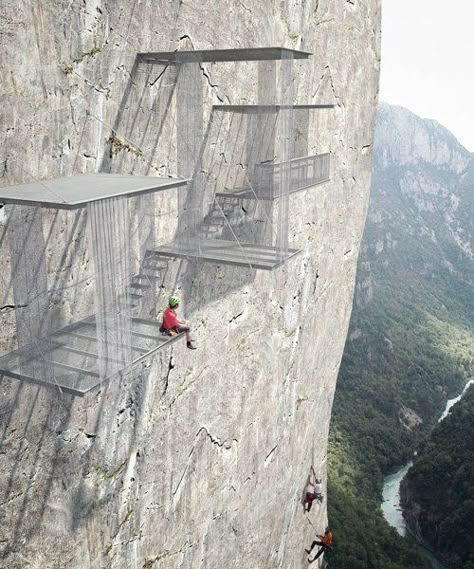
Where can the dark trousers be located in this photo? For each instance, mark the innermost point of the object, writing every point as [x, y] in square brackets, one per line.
[309, 499]
[324, 548]
[177, 330]
[183, 328]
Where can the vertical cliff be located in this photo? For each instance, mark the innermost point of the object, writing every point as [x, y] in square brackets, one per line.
[195, 459]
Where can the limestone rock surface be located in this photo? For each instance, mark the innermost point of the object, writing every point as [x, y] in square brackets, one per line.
[194, 459]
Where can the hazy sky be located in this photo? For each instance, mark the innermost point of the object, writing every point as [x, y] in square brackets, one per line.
[428, 61]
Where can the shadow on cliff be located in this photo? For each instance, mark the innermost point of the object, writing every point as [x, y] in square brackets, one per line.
[32, 418]
[140, 136]
[49, 474]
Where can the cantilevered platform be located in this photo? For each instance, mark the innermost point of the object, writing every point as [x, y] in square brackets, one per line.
[303, 173]
[68, 359]
[261, 109]
[77, 191]
[228, 252]
[223, 55]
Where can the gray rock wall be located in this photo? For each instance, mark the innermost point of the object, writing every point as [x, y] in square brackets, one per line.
[194, 459]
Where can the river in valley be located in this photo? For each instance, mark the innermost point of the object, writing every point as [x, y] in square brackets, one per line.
[391, 508]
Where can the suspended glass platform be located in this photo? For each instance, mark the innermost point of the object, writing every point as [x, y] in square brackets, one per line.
[97, 270]
[262, 109]
[68, 359]
[73, 192]
[305, 172]
[107, 255]
[220, 251]
[223, 55]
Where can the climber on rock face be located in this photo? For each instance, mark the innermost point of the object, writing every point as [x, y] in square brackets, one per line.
[172, 325]
[316, 494]
[325, 543]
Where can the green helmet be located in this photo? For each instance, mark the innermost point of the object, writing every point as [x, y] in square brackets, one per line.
[173, 301]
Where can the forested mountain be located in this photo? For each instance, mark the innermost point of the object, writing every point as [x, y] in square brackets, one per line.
[411, 340]
[438, 492]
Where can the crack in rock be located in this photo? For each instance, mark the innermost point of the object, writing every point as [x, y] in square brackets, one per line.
[13, 306]
[4, 170]
[216, 440]
[167, 376]
[234, 318]
[211, 85]
[150, 561]
[327, 73]
[185, 386]
[268, 458]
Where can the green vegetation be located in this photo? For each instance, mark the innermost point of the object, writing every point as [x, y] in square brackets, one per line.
[393, 376]
[410, 347]
[363, 539]
[442, 483]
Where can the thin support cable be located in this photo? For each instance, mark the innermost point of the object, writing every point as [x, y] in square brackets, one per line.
[215, 201]
[252, 188]
[57, 196]
[192, 151]
[259, 201]
[235, 236]
[212, 162]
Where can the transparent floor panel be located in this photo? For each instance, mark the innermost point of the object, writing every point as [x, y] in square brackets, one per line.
[229, 252]
[68, 359]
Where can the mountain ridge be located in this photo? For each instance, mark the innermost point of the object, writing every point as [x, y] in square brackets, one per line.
[419, 131]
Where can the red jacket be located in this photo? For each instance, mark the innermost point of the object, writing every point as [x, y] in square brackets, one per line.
[170, 320]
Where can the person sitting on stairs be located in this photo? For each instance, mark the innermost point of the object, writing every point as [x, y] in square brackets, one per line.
[172, 325]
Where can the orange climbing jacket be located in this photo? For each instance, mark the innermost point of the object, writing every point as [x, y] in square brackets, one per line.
[327, 538]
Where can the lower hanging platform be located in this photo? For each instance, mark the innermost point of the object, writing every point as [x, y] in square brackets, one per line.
[220, 251]
[68, 358]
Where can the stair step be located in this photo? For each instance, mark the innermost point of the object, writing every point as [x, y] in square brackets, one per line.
[152, 253]
[148, 271]
[135, 296]
[147, 277]
[223, 218]
[141, 286]
[228, 199]
[152, 263]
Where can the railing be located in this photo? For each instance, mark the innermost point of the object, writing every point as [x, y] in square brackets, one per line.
[302, 173]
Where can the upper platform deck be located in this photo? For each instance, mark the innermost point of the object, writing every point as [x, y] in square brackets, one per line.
[221, 251]
[262, 109]
[223, 55]
[77, 191]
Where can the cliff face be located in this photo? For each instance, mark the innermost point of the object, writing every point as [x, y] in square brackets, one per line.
[404, 139]
[196, 459]
[419, 224]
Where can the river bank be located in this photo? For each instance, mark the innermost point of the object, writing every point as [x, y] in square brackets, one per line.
[391, 506]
